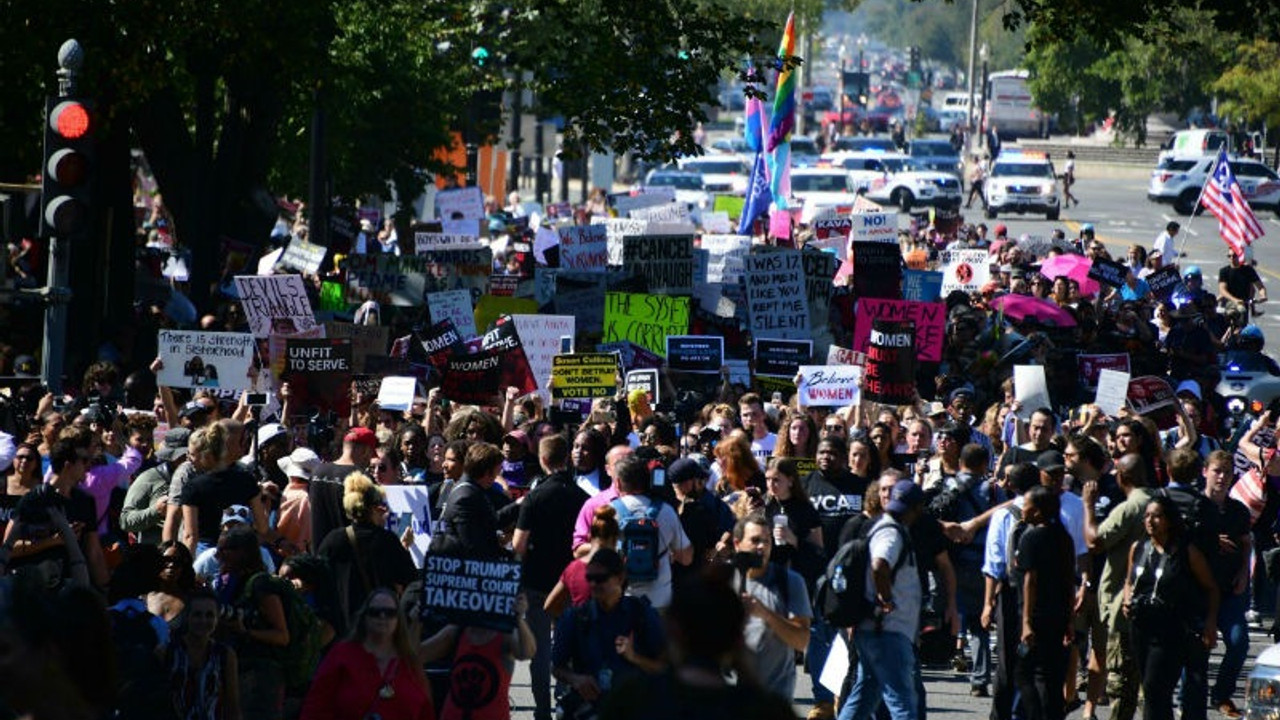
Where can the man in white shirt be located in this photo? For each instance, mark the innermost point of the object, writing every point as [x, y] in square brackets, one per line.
[751, 411]
[1164, 242]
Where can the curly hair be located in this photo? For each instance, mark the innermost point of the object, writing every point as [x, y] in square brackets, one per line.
[490, 429]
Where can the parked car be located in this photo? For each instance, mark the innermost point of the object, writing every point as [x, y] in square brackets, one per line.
[1178, 181]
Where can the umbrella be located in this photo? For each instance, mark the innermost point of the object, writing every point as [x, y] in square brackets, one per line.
[1021, 307]
[1073, 266]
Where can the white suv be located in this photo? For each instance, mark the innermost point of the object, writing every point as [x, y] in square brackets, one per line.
[1178, 181]
[910, 185]
[1021, 183]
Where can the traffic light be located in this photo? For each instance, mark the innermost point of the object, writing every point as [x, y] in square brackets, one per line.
[67, 174]
[914, 52]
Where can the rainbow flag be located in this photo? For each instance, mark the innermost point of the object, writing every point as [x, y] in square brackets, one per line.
[783, 120]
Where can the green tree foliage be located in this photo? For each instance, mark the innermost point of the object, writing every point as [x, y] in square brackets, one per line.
[1249, 89]
[1114, 23]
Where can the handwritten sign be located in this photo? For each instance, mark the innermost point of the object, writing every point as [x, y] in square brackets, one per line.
[930, 321]
[664, 261]
[844, 356]
[396, 392]
[275, 304]
[460, 203]
[584, 247]
[540, 336]
[695, 353]
[1031, 388]
[645, 320]
[424, 242]
[453, 305]
[829, 385]
[725, 255]
[667, 212]
[776, 303]
[471, 592]
[1113, 388]
[583, 375]
[410, 507]
[386, 278]
[205, 359]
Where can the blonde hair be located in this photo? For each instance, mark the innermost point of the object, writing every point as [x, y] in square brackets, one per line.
[209, 446]
[360, 495]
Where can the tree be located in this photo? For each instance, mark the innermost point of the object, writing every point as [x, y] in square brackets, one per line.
[1112, 24]
[1250, 88]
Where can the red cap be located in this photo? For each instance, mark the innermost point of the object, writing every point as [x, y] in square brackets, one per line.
[1001, 230]
[362, 436]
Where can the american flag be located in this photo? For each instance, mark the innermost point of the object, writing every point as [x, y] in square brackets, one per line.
[1224, 198]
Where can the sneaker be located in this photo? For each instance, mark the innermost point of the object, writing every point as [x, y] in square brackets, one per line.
[979, 691]
[960, 663]
[825, 710]
[1252, 617]
[1229, 710]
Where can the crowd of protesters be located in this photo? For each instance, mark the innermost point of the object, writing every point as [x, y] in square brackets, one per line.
[234, 565]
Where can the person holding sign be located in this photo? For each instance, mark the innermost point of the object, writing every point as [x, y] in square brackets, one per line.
[478, 654]
[373, 674]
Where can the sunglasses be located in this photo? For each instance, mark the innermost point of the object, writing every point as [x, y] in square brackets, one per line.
[380, 612]
[24, 457]
[598, 578]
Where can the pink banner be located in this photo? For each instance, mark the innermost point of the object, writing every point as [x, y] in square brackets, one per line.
[930, 320]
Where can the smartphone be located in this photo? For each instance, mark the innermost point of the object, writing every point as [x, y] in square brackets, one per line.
[659, 477]
[259, 399]
[403, 520]
[566, 344]
[777, 398]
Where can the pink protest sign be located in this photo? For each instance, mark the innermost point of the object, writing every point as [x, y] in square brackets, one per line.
[930, 320]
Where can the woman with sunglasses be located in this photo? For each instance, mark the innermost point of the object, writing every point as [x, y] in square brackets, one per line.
[375, 673]
[609, 639]
[176, 581]
[500, 650]
[24, 478]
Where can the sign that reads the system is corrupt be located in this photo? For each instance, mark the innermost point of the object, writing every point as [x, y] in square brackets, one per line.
[645, 320]
[471, 592]
[275, 304]
[891, 363]
[584, 375]
[205, 359]
[695, 353]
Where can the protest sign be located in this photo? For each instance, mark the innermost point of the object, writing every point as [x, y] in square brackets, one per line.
[616, 229]
[492, 307]
[205, 359]
[581, 294]
[819, 269]
[716, 222]
[453, 305]
[275, 304]
[480, 593]
[319, 373]
[891, 363]
[386, 278]
[366, 385]
[481, 378]
[1164, 282]
[964, 270]
[874, 227]
[664, 261]
[877, 268]
[410, 507]
[632, 356]
[695, 353]
[584, 375]
[584, 247]
[829, 385]
[665, 213]
[930, 320]
[645, 320]
[1090, 365]
[366, 341]
[1031, 389]
[651, 196]
[460, 203]
[1108, 272]
[464, 226]
[776, 302]
[833, 228]
[646, 380]
[304, 257]
[540, 337]
[725, 257]
[276, 349]
[396, 392]
[731, 204]
[424, 242]
[1152, 396]
[1113, 388]
[781, 358]
[844, 356]
[453, 270]
[439, 341]
[921, 285]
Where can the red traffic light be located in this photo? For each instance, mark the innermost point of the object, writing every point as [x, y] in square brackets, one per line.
[70, 120]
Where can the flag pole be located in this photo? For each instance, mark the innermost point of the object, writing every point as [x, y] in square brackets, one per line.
[1190, 217]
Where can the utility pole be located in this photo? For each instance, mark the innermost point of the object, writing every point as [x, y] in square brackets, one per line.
[973, 56]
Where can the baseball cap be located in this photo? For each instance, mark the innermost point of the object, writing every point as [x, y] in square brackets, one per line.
[25, 366]
[194, 407]
[269, 432]
[1001, 230]
[300, 463]
[519, 436]
[361, 436]
[936, 408]
[1189, 386]
[965, 389]
[685, 469]
[1192, 271]
[1050, 461]
[237, 514]
[174, 446]
[905, 495]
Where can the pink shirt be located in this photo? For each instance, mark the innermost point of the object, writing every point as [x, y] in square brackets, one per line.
[100, 480]
[582, 528]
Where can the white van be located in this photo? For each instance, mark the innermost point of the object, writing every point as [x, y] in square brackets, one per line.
[1195, 143]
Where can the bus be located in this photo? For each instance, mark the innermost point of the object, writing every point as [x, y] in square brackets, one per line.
[1009, 106]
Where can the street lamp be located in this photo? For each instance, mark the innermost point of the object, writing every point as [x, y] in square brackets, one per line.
[982, 122]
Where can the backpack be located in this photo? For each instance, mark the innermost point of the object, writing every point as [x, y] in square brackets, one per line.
[142, 679]
[1014, 575]
[639, 540]
[299, 660]
[841, 595]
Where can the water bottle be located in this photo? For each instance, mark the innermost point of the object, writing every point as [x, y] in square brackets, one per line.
[838, 581]
[779, 524]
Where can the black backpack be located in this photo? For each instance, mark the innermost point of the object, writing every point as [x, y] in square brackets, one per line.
[841, 594]
[1015, 575]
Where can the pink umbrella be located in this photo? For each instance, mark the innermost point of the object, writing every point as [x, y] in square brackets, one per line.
[1075, 267]
[1021, 307]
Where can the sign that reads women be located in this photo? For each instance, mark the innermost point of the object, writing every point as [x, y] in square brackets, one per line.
[664, 261]
[584, 375]
[930, 320]
[645, 320]
[275, 304]
[205, 359]
[891, 363]
[776, 302]
[695, 353]
[471, 592]
[829, 385]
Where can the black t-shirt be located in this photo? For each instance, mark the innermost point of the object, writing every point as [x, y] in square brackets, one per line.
[1239, 280]
[836, 498]
[213, 492]
[928, 540]
[325, 493]
[1233, 520]
[386, 562]
[548, 513]
[1049, 552]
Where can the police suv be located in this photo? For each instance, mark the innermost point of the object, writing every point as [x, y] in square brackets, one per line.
[1021, 183]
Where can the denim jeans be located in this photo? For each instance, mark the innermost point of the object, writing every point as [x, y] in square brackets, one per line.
[540, 666]
[815, 656]
[886, 671]
[1235, 636]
